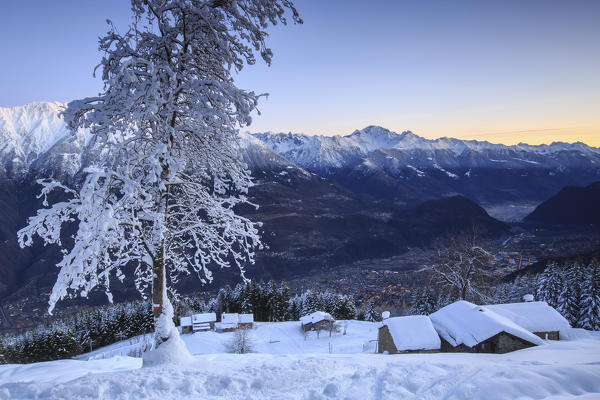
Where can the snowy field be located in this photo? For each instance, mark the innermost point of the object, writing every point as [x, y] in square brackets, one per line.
[286, 365]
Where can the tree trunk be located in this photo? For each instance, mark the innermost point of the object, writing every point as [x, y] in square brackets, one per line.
[158, 287]
[159, 298]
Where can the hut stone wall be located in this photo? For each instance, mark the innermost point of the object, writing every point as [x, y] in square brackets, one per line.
[501, 343]
[385, 342]
[553, 335]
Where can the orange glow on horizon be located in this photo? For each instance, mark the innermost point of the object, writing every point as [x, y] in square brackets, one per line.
[589, 136]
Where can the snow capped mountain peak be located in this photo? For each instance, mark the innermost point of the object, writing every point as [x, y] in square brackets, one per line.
[28, 131]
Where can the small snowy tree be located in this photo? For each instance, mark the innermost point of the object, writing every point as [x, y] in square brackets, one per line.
[589, 317]
[370, 313]
[569, 300]
[550, 285]
[241, 342]
[462, 268]
[162, 199]
[424, 302]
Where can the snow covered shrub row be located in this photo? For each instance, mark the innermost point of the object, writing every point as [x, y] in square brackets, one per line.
[84, 331]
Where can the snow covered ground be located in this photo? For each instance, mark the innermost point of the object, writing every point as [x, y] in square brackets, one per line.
[286, 365]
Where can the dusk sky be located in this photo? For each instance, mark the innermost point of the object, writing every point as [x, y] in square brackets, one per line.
[503, 71]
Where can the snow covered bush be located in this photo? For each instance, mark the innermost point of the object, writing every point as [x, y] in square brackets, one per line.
[241, 343]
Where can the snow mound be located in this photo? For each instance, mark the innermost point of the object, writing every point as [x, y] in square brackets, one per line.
[173, 351]
[465, 323]
[413, 332]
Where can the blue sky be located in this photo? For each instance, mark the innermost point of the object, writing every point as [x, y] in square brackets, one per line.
[505, 71]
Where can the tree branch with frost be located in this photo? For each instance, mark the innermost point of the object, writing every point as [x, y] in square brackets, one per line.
[462, 267]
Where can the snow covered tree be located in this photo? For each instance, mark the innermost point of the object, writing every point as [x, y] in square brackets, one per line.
[162, 198]
[370, 313]
[550, 285]
[570, 296]
[424, 302]
[589, 317]
[462, 268]
[241, 342]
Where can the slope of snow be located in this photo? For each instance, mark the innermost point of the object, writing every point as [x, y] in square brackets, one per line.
[557, 370]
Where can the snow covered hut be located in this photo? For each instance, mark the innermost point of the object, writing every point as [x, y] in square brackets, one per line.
[229, 322]
[203, 322]
[465, 327]
[535, 316]
[186, 324]
[412, 334]
[245, 321]
[319, 320]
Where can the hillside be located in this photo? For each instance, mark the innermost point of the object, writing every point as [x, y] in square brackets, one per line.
[324, 201]
[573, 205]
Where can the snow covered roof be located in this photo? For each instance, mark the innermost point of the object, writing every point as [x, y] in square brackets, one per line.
[414, 332]
[185, 321]
[246, 318]
[535, 316]
[465, 323]
[227, 325]
[207, 317]
[315, 317]
[229, 318]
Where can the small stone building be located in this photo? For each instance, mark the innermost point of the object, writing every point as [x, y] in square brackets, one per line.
[319, 320]
[465, 327]
[186, 324]
[535, 316]
[245, 321]
[412, 334]
[203, 322]
[229, 322]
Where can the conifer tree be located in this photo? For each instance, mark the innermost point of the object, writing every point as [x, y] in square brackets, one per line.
[589, 312]
[424, 303]
[569, 299]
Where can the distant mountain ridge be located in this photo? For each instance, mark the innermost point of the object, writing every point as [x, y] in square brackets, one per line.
[316, 151]
[408, 168]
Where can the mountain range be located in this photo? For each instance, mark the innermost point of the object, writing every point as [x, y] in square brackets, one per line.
[324, 201]
[407, 168]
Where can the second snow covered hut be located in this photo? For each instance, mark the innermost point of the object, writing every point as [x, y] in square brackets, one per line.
[319, 320]
[465, 327]
[535, 316]
[411, 334]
